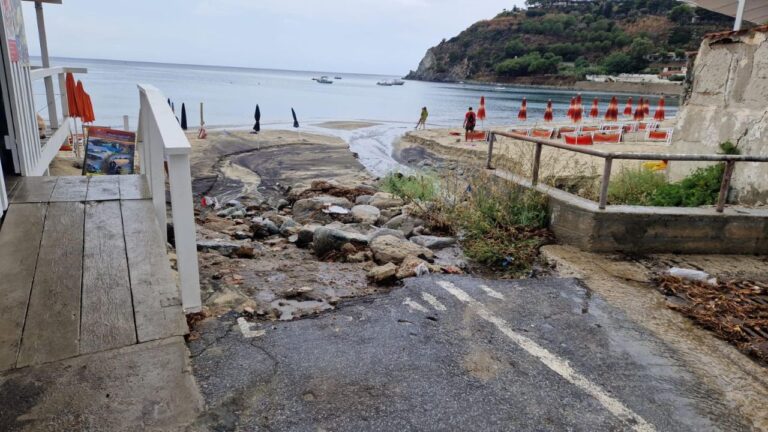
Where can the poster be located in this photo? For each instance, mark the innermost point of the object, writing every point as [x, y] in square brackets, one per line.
[13, 21]
[109, 152]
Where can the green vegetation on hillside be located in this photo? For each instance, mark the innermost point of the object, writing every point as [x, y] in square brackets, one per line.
[573, 38]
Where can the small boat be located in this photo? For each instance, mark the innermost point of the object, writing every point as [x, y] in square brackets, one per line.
[385, 83]
[398, 82]
[324, 80]
[338, 77]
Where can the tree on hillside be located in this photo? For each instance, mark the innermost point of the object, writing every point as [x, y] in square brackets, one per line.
[682, 14]
[639, 50]
[618, 62]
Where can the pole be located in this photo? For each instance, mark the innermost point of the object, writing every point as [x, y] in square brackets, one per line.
[125, 123]
[725, 185]
[53, 118]
[202, 121]
[739, 15]
[491, 140]
[604, 184]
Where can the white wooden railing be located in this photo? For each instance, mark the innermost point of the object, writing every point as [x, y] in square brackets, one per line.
[161, 139]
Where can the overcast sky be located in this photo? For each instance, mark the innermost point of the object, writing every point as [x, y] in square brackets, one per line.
[369, 36]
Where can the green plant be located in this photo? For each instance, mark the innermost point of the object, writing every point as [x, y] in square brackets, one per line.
[729, 148]
[635, 187]
[410, 188]
[701, 187]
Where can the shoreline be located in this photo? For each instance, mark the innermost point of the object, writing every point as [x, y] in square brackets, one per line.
[602, 87]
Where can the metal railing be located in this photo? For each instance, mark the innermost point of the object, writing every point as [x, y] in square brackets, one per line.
[161, 139]
[609, 157]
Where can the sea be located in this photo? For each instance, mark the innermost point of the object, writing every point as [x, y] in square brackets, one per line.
[230, 94]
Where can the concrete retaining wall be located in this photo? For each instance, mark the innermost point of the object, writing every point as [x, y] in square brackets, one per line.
[728, 102]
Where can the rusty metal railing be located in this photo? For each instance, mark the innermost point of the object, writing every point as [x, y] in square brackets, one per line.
[609, 157]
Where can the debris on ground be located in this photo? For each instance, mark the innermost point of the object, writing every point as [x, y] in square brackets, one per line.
[735, 310]
[193, 319]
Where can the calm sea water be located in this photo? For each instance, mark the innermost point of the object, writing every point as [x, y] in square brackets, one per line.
[230, 96]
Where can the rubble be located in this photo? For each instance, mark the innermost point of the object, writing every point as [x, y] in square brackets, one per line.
[382, 273]
[390, 249]
[433, 242]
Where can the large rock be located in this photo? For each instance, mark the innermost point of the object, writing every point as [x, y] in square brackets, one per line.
[327, 240]
[404, 223]
[365, 214]
[389, 248]
[311, 209]
[289, 227]
[385, 231]
[411, 267]
[384, 200]
[382, 273]
[263, 228]
[363, 199]
[433, 242]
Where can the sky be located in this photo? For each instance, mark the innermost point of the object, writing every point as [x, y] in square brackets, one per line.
[364, 36]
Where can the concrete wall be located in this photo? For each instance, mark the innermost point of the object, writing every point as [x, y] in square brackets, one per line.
[728, 102]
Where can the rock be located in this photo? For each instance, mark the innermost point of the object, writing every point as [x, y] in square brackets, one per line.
[282, 203]
[363, 199]
[384, 200]
[365, 214]
[222, 247]
[385, 231]
[289, 228]
[263, 228]
[245, 252]
[232, 212]
[422, 231]
[327, 240]
[360, 257]
[348, 249]
[388, 214]
[404, 223]
[382, 273]
[241, 235]
[412, 266]
[391, 249]
[433, 242]
[311, 209]
[306, 234]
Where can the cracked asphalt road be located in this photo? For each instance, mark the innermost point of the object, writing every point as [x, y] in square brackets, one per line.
[454, 354]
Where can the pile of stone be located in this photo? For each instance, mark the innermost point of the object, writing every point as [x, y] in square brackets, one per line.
[355, 224]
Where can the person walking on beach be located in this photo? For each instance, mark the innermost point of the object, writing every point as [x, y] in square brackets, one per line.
[423, 119]
[470, 120]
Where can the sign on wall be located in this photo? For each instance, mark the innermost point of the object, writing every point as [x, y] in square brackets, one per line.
[13, 21]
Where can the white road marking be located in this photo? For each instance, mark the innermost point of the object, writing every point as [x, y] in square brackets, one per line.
[556, 364]
[414, 306]
[491, 292]
[245, 329]
[432, 300]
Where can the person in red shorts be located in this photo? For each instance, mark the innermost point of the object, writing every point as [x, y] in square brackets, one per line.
[470, 120]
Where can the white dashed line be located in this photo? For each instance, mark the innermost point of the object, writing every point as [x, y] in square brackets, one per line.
[491, 292]
[433, 301]
[414, 306]
[245, 329]
[555, 363]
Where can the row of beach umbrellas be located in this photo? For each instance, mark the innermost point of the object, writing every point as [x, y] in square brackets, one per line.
[576, 110]
[256, 117]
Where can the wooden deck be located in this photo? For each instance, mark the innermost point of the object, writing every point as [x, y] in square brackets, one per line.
[83, 269]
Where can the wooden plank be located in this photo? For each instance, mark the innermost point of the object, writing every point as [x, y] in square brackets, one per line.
[133, 187]
[72, 188]
[52, 330]
[19, 246]
[156, 299]
[10, 183]
[103, 188]
[33, 190]
[107, 314]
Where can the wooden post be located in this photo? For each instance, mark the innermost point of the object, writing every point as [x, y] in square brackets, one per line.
[725, 185]
[125, 123]
[536, 164]
[604, 185]
[63, 95]
[202, 120]
[50, 99]
[491, 140]
[184, 230]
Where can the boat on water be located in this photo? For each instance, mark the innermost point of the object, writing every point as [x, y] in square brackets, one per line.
[385, 83]
[324, 80]
[338, 78]
[398, 82]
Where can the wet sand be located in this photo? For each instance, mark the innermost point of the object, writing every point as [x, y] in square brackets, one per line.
[346, 125]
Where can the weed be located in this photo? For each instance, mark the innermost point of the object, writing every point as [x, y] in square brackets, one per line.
[635, 186]
[410, 188]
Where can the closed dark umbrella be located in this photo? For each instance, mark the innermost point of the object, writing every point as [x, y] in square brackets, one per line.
[295, 120]
[257, 117]
[183, 116]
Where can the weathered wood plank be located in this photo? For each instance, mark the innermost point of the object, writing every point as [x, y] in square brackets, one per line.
[133, 187]
[74, 188]
[10, 184]
[107, 314]
[156, 299]
[19, 246]
[52, 330]
[33, 190]
[103, 188]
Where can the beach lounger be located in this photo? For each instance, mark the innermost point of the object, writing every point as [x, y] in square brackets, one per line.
[664, 135]
[578, 139]
[476, 135]
[520, 131]
[542, 132]
[566, 129]
[611, 126]
[647, 126]
[607, 137]
[590, 128]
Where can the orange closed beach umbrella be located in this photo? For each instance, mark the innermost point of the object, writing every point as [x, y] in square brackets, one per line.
[481, 110]
[571, 108]
[659, 115]
[640, 111]
[628, 107]
[71, 88]
[595, 111]
[647, 107]
[578, 112]
[548, 114]
[522, 115]
[612, 113]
